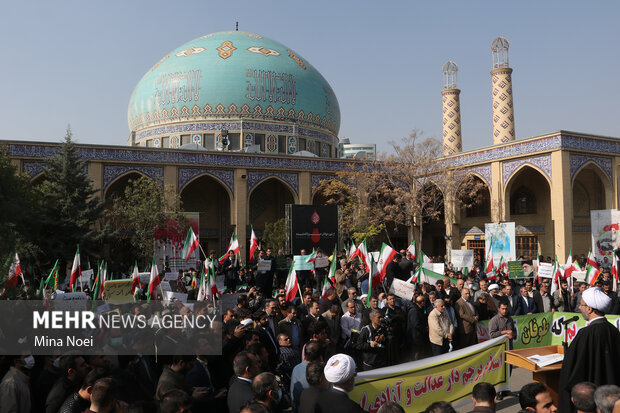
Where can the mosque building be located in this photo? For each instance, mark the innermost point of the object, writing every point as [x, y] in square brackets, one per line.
[240, 125]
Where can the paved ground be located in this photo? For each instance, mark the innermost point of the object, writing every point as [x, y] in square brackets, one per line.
[510, 404]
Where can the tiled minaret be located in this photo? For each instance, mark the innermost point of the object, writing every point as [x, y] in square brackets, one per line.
[452, 142]
[503, 110]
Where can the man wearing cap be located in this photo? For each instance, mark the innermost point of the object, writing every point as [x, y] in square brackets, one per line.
[340, 372]
[594, 354]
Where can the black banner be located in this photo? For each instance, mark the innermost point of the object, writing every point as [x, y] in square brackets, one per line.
[314, 227]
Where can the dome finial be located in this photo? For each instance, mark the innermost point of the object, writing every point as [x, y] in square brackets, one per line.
[500, 46]
[237, 26]
[449, 70]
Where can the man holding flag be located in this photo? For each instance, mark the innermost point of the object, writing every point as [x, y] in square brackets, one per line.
[76, 270]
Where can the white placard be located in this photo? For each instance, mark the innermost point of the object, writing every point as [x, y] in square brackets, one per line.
[579, 275]
[264, 265]
[462, 258]
[165, 286]
[321, 262]
[301, 264]
[171, 276]
[71, 301]
[145, 277]
[169, 296]
[402, 289]
[545, 270]
[436, 267]
[86, 274]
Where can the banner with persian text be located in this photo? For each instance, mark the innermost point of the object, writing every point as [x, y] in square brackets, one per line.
[450, 377]
[544, 329]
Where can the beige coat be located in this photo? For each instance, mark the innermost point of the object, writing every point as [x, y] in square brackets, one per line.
[439, 326]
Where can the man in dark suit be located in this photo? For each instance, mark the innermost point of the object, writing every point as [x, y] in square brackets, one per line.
[310, 396]
[392, 271]
[291, 326]
[340, 372]
[417, 329]
[526, 303]
[246, 366]
[266, 336]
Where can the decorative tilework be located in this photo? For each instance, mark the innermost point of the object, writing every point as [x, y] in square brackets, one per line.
[111, 172]
[542, 162]
[271, 144]
[256, 177]
[248, 140]
[33, 168]
[485, 172]
[187, 174]
[315, 180]
[577, 161]
[187, 128]
[324, 150]
[291, 147]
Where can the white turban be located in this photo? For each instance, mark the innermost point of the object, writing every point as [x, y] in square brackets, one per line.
[339, 368]
[595, 297]
[493, 287]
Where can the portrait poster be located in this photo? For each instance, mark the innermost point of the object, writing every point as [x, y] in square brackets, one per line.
[503, 237]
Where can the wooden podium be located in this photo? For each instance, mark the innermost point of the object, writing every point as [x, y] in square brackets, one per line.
[549, 375]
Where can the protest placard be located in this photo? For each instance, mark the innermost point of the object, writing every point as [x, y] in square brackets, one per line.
[321, 262]
[70, 301]
[171, 276]
[515, 269]
[301, 264]
[402, 289]
[434, 267]
[545, 270]
[169, 296]
[165, 286]
[579, 275]
[264, 265]
[462, 258]
[145, 277]
[118, 291]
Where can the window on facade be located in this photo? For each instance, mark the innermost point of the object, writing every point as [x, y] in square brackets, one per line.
[282, 144]
[209, 141]
[480, 208]
[185, 139]
[165, 142]
[149, 143]
[302, 144]
[477, 245]
[523, 202]
[259, 139]
[527, 246]
[234, 144]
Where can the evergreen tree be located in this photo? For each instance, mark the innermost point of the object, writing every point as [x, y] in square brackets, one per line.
[71, 209]
[19, 217]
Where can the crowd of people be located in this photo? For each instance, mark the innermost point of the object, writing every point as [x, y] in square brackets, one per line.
[300, 355]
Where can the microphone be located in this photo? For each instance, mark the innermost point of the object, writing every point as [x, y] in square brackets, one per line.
[570, 320]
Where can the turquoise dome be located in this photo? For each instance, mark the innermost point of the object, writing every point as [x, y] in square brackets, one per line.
[234, 75]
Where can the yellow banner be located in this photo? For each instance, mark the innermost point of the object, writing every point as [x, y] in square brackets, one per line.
[449, 377]
[118, 291]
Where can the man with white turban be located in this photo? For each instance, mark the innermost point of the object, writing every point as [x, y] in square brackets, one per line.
[594, 354]
[340, 373]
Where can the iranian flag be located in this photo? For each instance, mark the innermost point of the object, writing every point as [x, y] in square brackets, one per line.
[135, 278]
[502, 264]
[190, 245]
[570, 265]
[614, 271]
[411, 249]
[558, 274]
[292, 285]
[370, 277]
[15, 270]
[233, 246]
[208, 289]
[330, 280]
[385, 257]
[592, 271]
[416, 275]
[352, 250]
[490, 269]
[76, 270]
[253, 244]
[312, 257]
[154, 281]
[362, 253]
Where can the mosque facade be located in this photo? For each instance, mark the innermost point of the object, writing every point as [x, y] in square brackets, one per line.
[240, 125]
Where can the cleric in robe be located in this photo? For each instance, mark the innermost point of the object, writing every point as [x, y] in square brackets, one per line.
[594, 354]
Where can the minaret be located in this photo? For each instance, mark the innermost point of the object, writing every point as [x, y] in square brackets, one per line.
[503, 111]
[452, 142]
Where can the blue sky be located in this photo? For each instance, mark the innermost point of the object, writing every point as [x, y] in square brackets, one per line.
[77, 62]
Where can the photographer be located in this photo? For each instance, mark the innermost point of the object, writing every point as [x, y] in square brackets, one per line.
[372, 342]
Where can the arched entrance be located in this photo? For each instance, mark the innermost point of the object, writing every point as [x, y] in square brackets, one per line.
[591, 190]
[209, 198]
[528, 204]
[267, 201]
[117, 187]
[433, 222]
[475, 211]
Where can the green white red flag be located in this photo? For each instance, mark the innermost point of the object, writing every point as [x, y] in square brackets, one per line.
[592, 271]
[190, 245]
[362, 253]
[253, 244]
[411, 248]
[135, 278]
[233, 246]
[155, 280]
[291, 287]
[312, 257]
[15, 270]
[76, 269]
[386, 255]
[330, 280]
[490, 268]
[570, 265]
